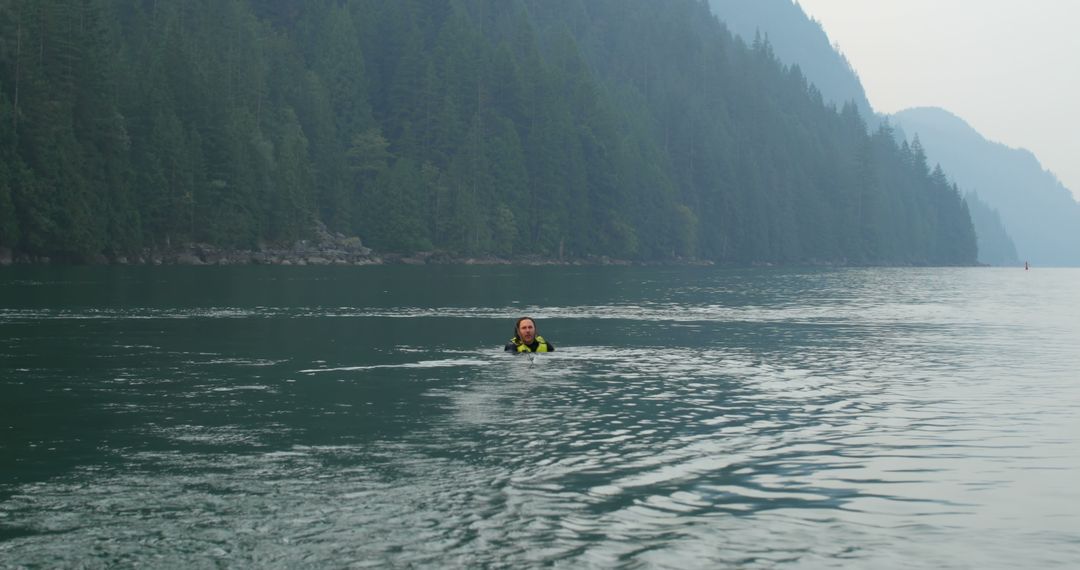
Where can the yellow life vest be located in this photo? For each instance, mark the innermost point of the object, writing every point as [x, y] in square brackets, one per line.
[522, 347]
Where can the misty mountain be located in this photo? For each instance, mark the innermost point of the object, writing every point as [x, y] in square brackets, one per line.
[797, 39]
[1037, 210]
[996, 247]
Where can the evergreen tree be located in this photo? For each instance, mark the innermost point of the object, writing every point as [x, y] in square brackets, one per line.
[9, 224]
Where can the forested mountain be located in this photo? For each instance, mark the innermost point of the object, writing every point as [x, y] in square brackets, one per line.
[564, 128]
[797, 40]
[1038, 211]
[996, 246]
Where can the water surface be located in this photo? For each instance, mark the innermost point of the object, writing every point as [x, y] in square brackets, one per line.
[691, 417]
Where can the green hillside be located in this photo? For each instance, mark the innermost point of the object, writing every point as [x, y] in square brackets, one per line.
[633, 129]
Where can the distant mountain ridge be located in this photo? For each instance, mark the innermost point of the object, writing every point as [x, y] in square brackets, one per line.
[1019, 210]
[800, 40]
[1038, 211]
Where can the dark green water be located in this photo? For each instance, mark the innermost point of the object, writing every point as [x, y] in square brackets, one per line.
[691, 418]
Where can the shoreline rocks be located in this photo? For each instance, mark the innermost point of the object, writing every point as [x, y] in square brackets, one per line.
[324, 248]
[327, 248]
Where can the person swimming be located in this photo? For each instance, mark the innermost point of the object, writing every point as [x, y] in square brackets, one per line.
[525, 338]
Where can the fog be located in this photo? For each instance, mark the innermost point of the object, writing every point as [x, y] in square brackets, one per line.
[1005, 66]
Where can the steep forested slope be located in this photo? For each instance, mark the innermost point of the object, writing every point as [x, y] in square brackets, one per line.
[1038, 211]
[996, 246]
[565, 128]
[797, 40]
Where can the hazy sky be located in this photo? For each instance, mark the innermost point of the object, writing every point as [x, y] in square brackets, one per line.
[1009, 68]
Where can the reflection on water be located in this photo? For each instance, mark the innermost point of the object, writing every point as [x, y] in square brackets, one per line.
[699, 418]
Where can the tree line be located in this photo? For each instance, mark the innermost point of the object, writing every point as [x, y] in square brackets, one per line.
[632, 129]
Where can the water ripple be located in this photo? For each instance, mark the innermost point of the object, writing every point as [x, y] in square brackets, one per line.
[883, 419]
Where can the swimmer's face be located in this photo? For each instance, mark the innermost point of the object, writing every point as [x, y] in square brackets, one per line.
[527, 331]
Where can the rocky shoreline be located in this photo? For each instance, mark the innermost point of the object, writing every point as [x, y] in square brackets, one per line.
[327, 248]
[305, 254]
[324, 248]
[336, 249]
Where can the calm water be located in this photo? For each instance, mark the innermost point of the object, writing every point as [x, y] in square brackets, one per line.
[691, 418]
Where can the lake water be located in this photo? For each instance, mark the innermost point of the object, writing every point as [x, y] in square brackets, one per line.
[690, 418]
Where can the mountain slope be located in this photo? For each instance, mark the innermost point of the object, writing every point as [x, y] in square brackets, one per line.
[633, 129]
[799, 40]
[1038, 211]
[996, 246]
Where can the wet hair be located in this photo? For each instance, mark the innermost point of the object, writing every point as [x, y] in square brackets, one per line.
[517, 325]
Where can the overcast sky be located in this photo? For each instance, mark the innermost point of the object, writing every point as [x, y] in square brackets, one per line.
[1009, 68]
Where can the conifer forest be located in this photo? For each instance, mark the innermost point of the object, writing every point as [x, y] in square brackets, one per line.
[640, 130]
